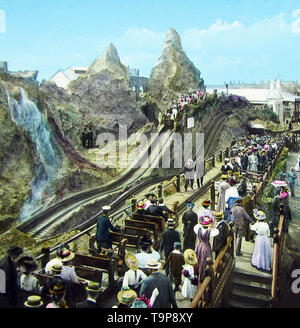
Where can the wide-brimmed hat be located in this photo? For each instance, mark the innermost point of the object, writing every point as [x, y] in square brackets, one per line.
[34, 301]
[106, 208]
[153, 264]
[219, 215]
[140, 205]
[126, 295]
[65, 255]
[190, 257]
[224, 176]
[259, 215]
[131, 261]
[206, 202]
[93, 287]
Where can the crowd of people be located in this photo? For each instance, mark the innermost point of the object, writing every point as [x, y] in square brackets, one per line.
[178, 264]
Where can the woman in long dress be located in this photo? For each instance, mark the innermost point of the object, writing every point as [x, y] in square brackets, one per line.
[261, 257]
[204, 231]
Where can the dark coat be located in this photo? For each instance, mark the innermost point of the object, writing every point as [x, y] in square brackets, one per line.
[11, 280]
[87, 305]
[220, 240]
[103, 227]
[169, 237]
[166, 297]
[155, 210]
[189, 220]
[244, 162]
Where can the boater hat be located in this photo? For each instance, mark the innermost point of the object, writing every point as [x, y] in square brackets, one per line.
[190, 257]
[141, 205]
[219, 215]
[131, 261]
[65, 255]
[153, 264]
[106, 208]
[34, 301]
[56, 268]
[93, 287]
[126, 295]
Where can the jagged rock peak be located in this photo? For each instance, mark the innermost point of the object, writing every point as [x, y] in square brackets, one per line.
[173, 40]
[109, 60]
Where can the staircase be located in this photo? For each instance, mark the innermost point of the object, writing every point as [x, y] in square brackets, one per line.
[251, 288]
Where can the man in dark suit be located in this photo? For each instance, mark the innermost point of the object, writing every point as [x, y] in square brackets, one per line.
[93, 289]
[220, 240]
[9, 277]
[169, 237]
[103, 230]
[158, 281]
[244, 161]
[189, 220]
[84, 138]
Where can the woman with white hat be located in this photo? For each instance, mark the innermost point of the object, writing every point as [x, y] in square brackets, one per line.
[261, 257]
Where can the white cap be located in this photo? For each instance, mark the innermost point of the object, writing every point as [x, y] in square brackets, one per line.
[106, 208]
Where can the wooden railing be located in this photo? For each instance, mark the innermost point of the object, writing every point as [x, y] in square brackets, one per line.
[278, 258]
[213, 288]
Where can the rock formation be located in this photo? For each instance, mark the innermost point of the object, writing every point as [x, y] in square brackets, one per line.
[173, 74]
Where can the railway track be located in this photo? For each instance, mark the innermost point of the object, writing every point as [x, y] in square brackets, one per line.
[43, 223]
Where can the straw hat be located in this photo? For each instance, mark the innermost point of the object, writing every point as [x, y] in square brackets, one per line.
[58, 289]
[141, 205]
[190, 257]
[56, 268]
[34, 301]
[93, 287]
[259, 215]
[171, 222]
[219, 215]
[206, 202]
[126, 295]
[106, 208]
[131, 261]
[153, 264]
[224, 176]
[65, 255]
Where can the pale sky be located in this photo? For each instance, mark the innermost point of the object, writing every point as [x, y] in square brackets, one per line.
[227, 40]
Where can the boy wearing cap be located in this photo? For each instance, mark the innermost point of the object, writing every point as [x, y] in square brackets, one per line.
[176, 261]
[189, 220]
[220, 240]
[103, 230]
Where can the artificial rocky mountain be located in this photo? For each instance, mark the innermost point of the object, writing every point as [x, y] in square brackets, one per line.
[174, 73]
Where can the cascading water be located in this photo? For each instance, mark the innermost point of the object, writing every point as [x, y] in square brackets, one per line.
[27, 115]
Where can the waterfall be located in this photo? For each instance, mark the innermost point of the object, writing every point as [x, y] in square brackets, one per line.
[27, 115]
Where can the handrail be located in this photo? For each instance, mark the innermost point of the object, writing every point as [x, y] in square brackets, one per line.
[277, 254]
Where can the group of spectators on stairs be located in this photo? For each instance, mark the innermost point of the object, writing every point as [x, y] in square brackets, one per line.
[155, 275]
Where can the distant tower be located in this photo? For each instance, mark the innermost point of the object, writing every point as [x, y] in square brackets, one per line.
[275, 99]
[3, 66]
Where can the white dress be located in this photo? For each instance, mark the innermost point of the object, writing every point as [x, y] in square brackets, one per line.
[262, 257]
[188, 289]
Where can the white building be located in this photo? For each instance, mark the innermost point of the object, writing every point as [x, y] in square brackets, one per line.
[284, 104]
[62, 78]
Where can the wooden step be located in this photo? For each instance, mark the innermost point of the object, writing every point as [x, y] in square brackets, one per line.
[248, 298]
[260, 276]
[241, 283]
